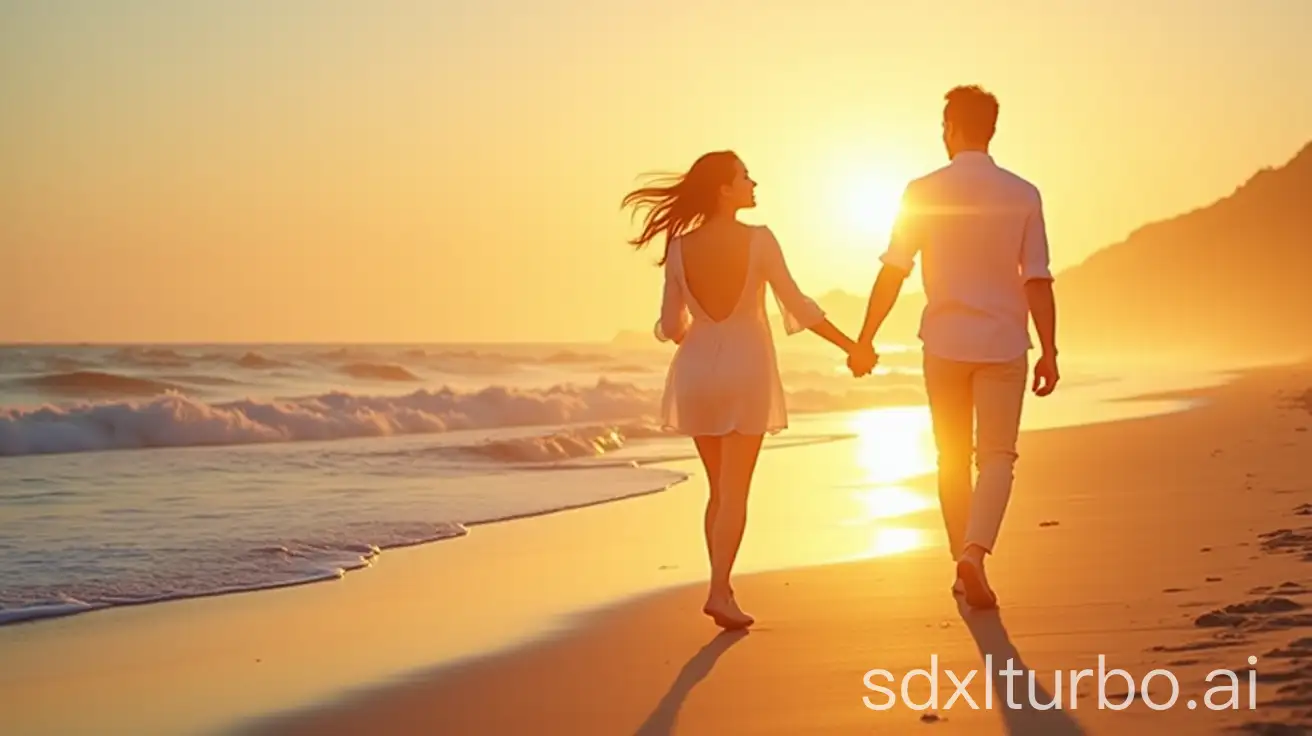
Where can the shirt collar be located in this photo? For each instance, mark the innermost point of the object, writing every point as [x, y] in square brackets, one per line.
[972, 157]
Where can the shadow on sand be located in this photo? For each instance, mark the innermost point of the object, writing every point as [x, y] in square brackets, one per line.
[1026, 720]
[666, 714]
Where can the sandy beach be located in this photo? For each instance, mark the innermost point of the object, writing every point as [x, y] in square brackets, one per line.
[1156, 542]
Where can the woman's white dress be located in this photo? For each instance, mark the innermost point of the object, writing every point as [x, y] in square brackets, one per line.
[724, 376]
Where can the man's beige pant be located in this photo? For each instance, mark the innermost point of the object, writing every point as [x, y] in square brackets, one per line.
[976, 410]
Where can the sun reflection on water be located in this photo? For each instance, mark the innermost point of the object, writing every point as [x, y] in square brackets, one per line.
[893, 446]
[890, 502]
[894, 540]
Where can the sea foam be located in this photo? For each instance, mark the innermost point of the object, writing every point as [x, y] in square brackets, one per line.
[175, 420]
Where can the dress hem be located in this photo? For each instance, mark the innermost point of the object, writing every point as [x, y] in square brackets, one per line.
[723, 433]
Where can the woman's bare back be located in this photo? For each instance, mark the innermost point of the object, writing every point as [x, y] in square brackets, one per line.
[724, 377]
[716, 262]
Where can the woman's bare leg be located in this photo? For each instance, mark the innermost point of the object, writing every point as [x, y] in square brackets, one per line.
[738, 455]
[709, 448]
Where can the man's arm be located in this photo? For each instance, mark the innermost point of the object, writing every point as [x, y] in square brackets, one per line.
[1043, 308]
[904, 244]
[884, 294]
[1037, 273]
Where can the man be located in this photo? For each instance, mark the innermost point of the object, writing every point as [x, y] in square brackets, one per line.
[979, 231]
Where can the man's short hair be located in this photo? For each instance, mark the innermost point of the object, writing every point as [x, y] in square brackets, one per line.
[972, 111]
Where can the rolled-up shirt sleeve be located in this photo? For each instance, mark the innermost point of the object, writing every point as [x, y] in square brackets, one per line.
[1034, 260]
[906, 239]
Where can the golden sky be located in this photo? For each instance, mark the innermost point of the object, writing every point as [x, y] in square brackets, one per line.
[326, 170]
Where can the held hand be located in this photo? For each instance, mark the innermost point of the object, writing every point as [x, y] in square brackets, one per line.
[1046, 375]
[861, 359]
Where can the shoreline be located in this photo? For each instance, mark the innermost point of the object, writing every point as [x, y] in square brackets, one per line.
[11, 617]
[247, 623]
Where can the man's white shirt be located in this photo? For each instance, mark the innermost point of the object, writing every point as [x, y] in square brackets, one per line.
[979, 233]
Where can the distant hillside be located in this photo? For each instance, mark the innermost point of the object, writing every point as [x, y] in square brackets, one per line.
[1233, 279]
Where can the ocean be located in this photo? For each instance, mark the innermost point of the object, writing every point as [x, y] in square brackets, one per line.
[134, 474]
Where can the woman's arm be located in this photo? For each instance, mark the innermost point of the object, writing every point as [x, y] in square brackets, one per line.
[828, 331]
[799, 311]
[673, 324]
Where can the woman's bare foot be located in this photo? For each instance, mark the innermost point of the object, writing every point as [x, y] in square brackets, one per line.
[724, 610]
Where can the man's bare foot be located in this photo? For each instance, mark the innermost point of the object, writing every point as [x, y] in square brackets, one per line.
[724, 610]
[970, 574]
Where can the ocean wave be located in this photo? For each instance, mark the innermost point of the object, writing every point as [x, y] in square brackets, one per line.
[379, 372]
[200, 379]
[346, 353]
[366, 363]
[255, 361]
[468, 362]
[175, 420]
[150, 357]
[65, 364]
[569, 357]
[97, 382]
[571, 444]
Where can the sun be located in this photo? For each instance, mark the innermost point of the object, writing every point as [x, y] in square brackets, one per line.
[870, 204]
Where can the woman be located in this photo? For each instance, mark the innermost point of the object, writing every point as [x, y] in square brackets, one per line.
[723, 387]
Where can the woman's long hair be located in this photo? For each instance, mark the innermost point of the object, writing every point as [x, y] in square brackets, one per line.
[677, 203]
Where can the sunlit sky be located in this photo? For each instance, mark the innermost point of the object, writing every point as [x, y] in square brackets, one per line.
[325, 170]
